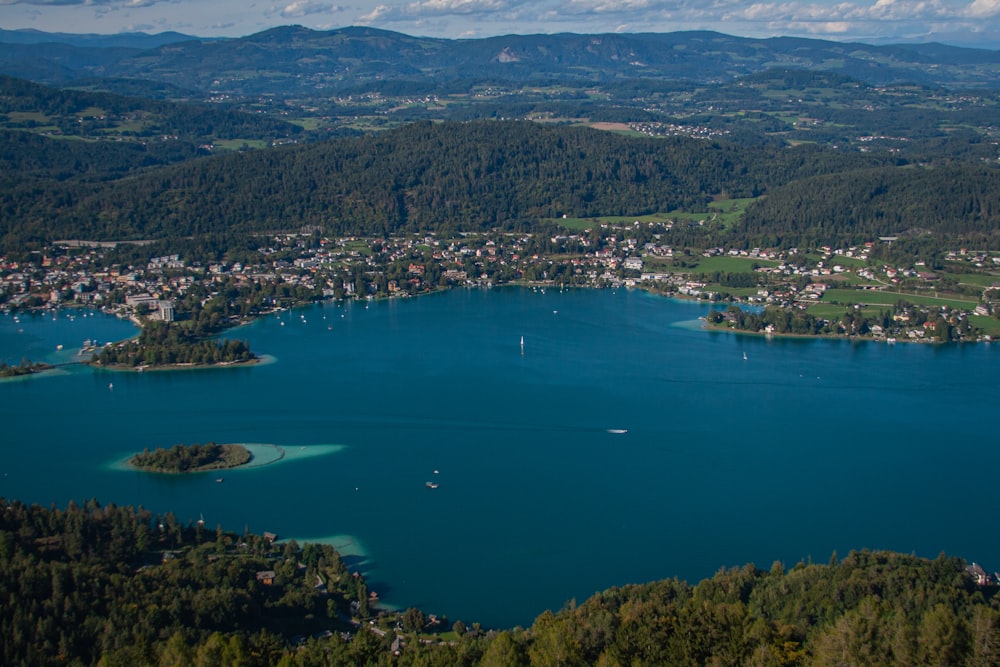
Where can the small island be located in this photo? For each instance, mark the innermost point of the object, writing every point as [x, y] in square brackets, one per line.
[24, 368]
[168, 345]
[191, 458]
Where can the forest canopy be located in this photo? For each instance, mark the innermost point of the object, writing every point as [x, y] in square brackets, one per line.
[191, 458]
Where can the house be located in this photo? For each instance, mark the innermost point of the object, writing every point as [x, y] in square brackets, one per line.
[266, 577]
[978, 574]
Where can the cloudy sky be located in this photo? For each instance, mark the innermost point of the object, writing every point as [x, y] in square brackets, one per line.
[963, 22]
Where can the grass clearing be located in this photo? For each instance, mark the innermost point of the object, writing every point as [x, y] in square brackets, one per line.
[977, 279]
[989, 325]
[238, 144]
[884, 298]
[741, 292]
[730, 264]
[826, 311]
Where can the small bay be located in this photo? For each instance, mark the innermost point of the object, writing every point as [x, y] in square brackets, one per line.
[621, 443]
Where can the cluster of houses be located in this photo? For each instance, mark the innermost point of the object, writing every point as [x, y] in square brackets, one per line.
[626, 254]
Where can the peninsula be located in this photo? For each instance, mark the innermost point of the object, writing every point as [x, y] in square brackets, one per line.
[24, 368]
[191, 458]
[168, 345]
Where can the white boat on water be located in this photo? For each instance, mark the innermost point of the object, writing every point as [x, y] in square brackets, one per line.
[432, 485]
[618, 431]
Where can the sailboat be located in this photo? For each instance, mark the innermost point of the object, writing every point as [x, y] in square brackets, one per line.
[744, 356]
[522, 344]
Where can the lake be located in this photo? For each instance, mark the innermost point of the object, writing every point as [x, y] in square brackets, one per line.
[621, 443]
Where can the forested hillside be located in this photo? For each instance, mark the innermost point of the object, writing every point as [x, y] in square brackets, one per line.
[487, 174]
[952, 201]
[421, 177]
[120, 586]
[76, 113]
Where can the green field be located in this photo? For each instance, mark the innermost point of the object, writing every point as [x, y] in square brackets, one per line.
[237, 144]
[989, 325]
[729, 211]
[361, 247]
[827, 311]
[977, 279]
[741, 292]
[730, 264]
[849, 296]
[847, 262]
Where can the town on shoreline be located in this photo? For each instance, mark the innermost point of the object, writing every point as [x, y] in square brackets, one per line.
[825, 291]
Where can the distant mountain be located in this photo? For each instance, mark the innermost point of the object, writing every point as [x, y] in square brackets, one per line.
[295, 60]
[131, 40]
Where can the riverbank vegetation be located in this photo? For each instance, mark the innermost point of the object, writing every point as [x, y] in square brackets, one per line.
[122, 586]
[191, 458]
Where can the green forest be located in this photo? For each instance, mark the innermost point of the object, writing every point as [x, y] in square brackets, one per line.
[191, 458]
[160, 344]
[481, 175]
[93, 585]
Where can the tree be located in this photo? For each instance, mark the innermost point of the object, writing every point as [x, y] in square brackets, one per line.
[414, 620]
[943, 638]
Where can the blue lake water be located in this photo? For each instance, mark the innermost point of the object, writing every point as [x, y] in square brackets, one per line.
[805, 447]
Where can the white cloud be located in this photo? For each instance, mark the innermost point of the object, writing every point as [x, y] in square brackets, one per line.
[983, 9]
[302, 8]
[418, 11]
[456, 6]
[110, 4]
[377, 14]
[614, 6]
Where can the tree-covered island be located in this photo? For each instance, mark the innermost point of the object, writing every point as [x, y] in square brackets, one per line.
[163, 344]
[192, 458]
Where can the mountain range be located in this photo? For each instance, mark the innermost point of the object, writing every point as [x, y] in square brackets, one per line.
[293, 60]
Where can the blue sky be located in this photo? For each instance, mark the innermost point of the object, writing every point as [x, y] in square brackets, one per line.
[962, 22]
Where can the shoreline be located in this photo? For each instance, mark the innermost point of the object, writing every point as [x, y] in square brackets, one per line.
[706, 326]
[218, 464]
[122, 368]
[261, 455]
[258, 359]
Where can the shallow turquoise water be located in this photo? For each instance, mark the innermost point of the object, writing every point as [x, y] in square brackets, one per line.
[807, 447]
